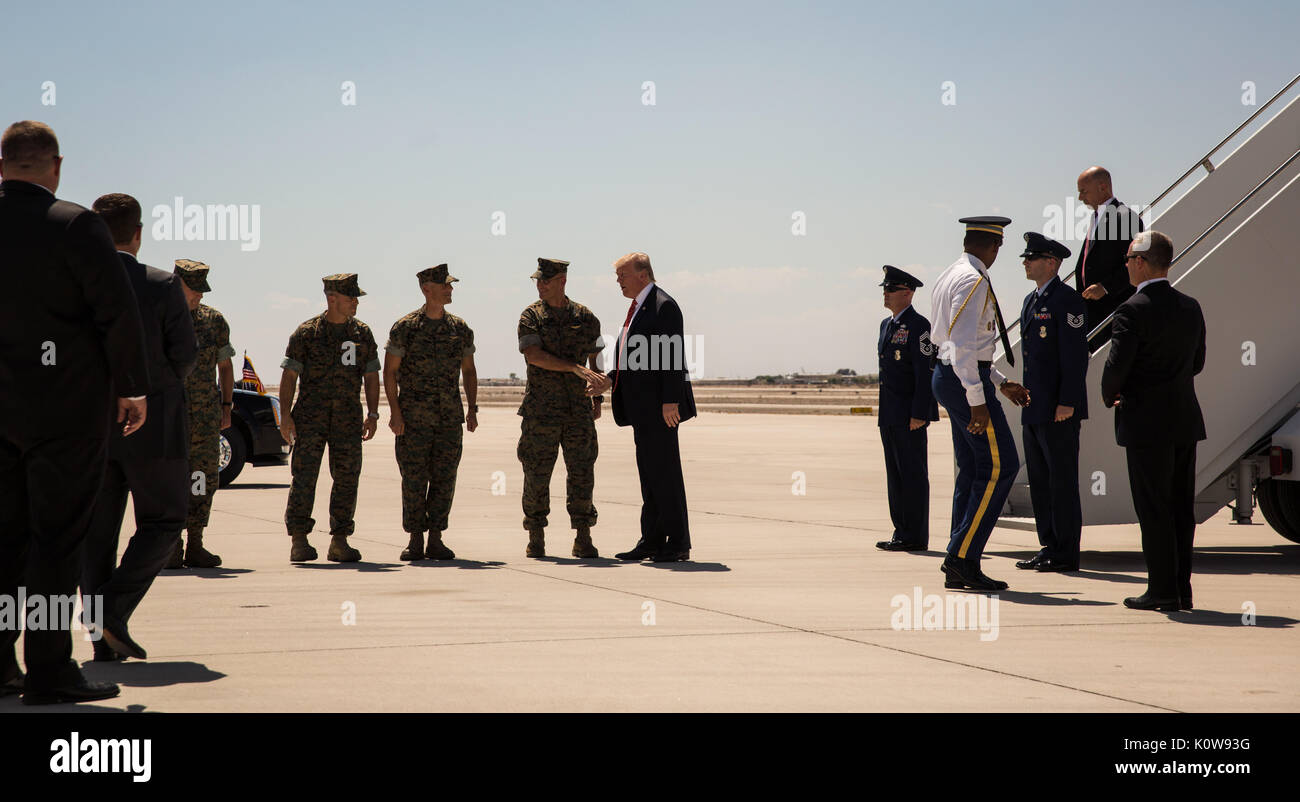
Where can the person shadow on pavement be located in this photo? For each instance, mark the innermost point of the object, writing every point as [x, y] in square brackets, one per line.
[149, 673]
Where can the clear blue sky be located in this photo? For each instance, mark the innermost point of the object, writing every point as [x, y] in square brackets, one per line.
[534, 110]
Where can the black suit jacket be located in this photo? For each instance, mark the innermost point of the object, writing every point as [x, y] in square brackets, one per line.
[69, 326]
[171, 349]
[656, 372]
[1157, 346]
[1117, 225]
[904, 352]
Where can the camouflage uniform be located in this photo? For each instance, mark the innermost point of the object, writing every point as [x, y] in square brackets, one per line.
[327, 411]
[557, 412]
[203, 400]
[429, 448]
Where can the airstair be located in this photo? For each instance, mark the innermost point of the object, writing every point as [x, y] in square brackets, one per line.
[1236, 235]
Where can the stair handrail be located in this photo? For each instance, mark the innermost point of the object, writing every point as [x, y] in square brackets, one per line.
[1205, 162]
[1102, 325]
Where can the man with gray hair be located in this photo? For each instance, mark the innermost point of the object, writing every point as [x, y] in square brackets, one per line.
[654, 399]
[1157, 347]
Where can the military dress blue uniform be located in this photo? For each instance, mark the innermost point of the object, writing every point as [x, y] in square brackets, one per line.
[1054, 344]
[905, 352]
[967, 325]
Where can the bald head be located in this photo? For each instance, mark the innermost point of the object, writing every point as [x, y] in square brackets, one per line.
[633, 273]
[29, 151]
[1094, 186]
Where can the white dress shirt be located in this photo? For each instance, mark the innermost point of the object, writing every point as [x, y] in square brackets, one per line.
[1149, 281]
[962, 313]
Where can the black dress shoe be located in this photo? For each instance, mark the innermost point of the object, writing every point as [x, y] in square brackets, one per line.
[966, 573]
[1147, 602]
[13, 684]
[1056, 566]
[1033, 562]
[105, 654]
[671, 556]
[900, 545]
[81, 691]
[638, 552]
[985, 579]
[119, 640]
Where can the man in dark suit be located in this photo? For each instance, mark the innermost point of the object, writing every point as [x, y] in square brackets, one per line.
[69, 334]
[652, 394]
[153, 463]
[1054, 344]
[907, 406]
[1099, 274]
[1157, 347]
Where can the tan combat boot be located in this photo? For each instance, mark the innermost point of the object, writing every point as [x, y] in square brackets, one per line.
[436, 550]
[196, 556]
[301, 551]
[582, 545]
[536, 543]
[415, 549]
[340, 551]
[176, 560]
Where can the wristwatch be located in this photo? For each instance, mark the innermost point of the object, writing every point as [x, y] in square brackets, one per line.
[473, 407]
[598, 398]
[372, 416]
[227, 404]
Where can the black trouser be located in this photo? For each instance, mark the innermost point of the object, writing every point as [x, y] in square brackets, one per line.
[1052, 460]
[160, 494]
[47, 495]
[1163, 481]
[663, 491]
[907, 475]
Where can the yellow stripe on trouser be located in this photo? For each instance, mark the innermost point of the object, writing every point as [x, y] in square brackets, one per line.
[988, 491]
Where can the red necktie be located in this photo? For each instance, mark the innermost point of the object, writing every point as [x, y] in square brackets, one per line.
[622, 343]
[1087, 244]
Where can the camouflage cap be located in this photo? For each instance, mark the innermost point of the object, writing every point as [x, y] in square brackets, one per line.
[435, 275]
[194, 274]
[343, 284]
[550, 268]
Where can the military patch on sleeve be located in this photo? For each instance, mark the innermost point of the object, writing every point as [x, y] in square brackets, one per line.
[927, 347]
[1075, 321]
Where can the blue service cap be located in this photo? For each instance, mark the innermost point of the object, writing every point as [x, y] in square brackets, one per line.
[900, 278]
[989, 223]
[1036, 244]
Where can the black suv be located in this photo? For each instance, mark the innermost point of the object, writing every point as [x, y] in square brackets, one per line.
[253, 436]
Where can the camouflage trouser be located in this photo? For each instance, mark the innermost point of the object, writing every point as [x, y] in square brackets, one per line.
[205, 454]
[428, 457]
[337, 425]
[539, 443]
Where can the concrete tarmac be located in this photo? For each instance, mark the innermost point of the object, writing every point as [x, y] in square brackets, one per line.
[787, 605]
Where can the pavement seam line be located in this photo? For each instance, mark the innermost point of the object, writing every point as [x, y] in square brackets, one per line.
[482, 643]
[828, 634]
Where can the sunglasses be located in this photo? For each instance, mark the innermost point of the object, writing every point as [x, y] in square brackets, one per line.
[895, 287]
